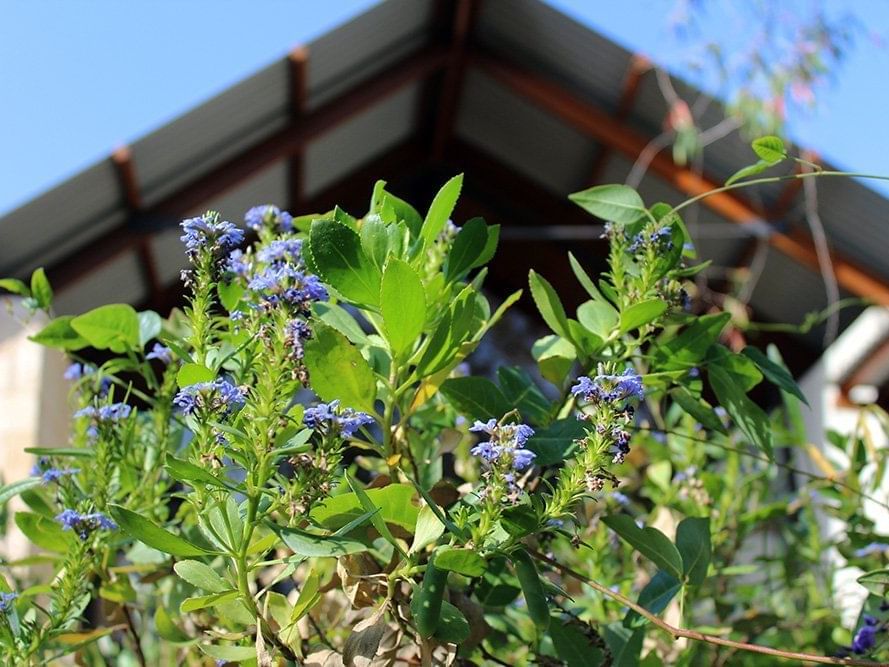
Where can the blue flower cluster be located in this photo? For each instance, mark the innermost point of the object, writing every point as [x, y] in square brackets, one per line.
[661, 240]
[267, 215]
[331, 419]
[6, 601]
[77, 371]
[218, 396]
[84, 524]
[609, 395]
[49, 474]
[866, 637]
[281, 250]
[871, 549]
[162, 353]
[506, 444]
[209, 233]
[284, 283]
[296, 332]
[610, 388]
[103, 415]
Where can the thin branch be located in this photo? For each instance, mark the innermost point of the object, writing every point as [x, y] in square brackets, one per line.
[822, 251]
[694, 634]
[646, 155]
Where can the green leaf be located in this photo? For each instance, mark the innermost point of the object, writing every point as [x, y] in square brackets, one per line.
[201, 576]
[750, 170]
[463, 561]
[555, 356]
[640, 314]
[44, 532]
[490, 249]
[688, 348]
[193, 374]
[339, 318]
[190, 473]
[549, 305]
[520, 391]
[376, 518]
[584, 278]
[229, 653]
[338, 370]
[311, 545]
[309, 595]
[600, 317]
[113, 327]
[749, 417]
[467, 248]
[340, 261]
[153, 535]
[776, 373]
[769, 148]
[876, 581]
[15, 488]
[404, 211]
[229, 294]
[395, 501]
[693, 542]
[654, 597]
[441, 209]
[15, 286]
[60, 334]
[476, 397]
[573, 647]
[429, 529]
[374, 239]
[403, 305]
[617, 203]
[149, 326]
[41, 292]
[166, 629]
[648, 541]
[555, 443]
[698, 408]
[453, 627]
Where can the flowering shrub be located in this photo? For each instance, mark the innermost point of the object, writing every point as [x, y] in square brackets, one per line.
[297, 469]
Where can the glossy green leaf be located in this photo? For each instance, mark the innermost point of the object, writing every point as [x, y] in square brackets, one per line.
[15, 488]
[573, 647]
[374, 239]
[584, 278]
[187, 472]
[309, 595]
[648, 541]
[476, 397]
[60, 334]
[397, 504]
[453, 627]
[166, 629]
[229, 653]
[339, 318]
[441, 209]
[429, 529]
[376, 517]
[113, 327]
[520, 391]
[693, 542]
[774, 372]
[15, 286]
[193, 374]
[229, 294]
[876, 581]
[403, 305]
[600, 317]
[490, 249]
[311, 545]
[44, 532]
[555, 357]
[549, 305]
[340, 261]
[149, 326]
[201, 575]
[41, 291]
[338, 370]
[750, 170]
[698, 408]
[463, 561]
[467, 248]
[145, 531]
[404, 211]
[688, 348]
[749, 417]
[655, 597]
[616, 203]
[642, 313]
[769, 148]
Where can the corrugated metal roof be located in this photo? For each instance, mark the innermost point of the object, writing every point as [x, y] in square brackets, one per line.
[521, 135]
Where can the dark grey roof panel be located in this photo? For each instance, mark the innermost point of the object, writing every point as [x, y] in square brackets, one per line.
[365, 46]
[116, 282]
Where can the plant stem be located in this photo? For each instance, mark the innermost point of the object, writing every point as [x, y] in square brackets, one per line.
[694, 634]
[774, 179]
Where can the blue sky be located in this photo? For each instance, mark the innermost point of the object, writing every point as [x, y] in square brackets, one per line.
[81, 77]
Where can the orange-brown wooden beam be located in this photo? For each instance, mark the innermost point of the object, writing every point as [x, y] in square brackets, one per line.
[281, 144]
[122, 159]
[602, 127]
[298, 62]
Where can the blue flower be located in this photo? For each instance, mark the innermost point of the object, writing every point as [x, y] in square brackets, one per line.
[237, 263]
[505, 449]
[210, 233]
[281, 250]
[220, 395]
[42, 469]
[6, 601]
[610, 388]
[162, 353]
[329, 417]
[74, 372]
[84, 524]
[619, 498]
[103, 415]
[267, 215]
[295, 333]
[866, 637]
[284, 283]
[870, 549]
